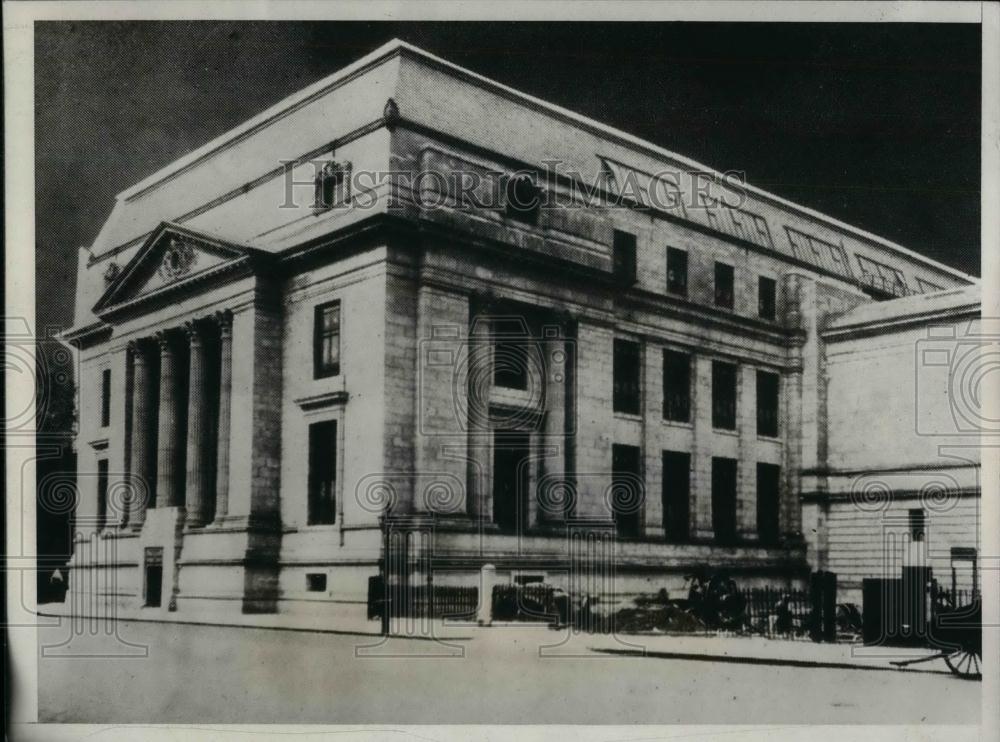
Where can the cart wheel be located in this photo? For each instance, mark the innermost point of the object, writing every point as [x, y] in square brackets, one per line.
[964, 663]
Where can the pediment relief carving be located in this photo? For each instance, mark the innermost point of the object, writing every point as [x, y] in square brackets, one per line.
[171, 257]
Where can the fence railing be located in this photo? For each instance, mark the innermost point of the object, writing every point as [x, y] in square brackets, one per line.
[437, 601]
[778, 613]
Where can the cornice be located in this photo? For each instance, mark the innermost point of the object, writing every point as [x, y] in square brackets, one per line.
[894, 324]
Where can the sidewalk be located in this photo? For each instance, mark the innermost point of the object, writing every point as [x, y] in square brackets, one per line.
[341, 624]
[710, 648]
[758, 650]
[566, 642]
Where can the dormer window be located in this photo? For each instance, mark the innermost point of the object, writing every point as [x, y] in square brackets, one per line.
[333, 185]
[522, 199]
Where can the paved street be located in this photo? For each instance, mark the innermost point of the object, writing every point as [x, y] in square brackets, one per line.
[232, 675]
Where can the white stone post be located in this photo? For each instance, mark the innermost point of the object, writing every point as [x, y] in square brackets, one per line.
[487, 579]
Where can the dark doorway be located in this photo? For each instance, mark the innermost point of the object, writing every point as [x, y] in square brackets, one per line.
[510, 480]
[676, 495]
[626, 490]
[154, 576]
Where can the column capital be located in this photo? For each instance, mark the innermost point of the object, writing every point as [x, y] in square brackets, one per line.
[224, 319]
[195, 330]
[164, 339]
[138, 349]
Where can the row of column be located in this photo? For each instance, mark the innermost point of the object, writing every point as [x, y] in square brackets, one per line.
[156, 475]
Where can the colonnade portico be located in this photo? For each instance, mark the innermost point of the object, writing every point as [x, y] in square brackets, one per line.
[179, 448]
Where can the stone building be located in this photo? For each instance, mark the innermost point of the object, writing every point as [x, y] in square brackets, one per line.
[410, 290]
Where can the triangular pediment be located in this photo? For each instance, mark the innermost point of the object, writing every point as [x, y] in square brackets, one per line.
[172, 257]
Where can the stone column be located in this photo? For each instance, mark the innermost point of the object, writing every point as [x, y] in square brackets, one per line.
[168, 485]
[198, 430]
[143, 457]
[225, 321]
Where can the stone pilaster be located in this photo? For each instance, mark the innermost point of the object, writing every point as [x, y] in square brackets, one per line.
[168, 451]
[199, 429]
[225, 321]
[746, 424]
[480, 439]
[555, 499]
[701, 453]
[594, 437]
[142, 472]
[652, 439]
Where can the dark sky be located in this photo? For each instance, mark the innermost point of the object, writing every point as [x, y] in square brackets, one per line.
[875, 124]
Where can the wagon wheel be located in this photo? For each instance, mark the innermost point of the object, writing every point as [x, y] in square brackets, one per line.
[964, 663]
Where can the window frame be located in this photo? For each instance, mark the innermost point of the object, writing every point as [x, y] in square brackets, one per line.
[625, 267]
[676, 530]
[103, 483]
[322, 369]
[332, 176]
[717, 421]
[762, 376]
[677, 287]
[623, 390]
[630, 523]
[322, 494]
[769, 534]
[515, 346]
[671, 393]
[517, 187]
[772, 304]
[105, 397]
[729, 518]
[728, 299]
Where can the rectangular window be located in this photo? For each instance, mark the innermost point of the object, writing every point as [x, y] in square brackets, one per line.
[322, 472]
[676, 386]
[316, 582]
[677, 271]
[102, 494]
[767, 307]
[326, 340]
[106, 398]
[676, 495]
[627, 368]
[153, 568]
[510, 353]
[624, 256]
[332, 185]
[818, 252]
[724, 285]
[523, 199]
[768, 499]
[723, 395]
[882, 277]
[918, 524]
[767, 404]
[510, 480]
[724, 500]
[627, 491]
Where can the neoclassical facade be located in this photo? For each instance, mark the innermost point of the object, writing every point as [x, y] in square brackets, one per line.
[410, 291]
